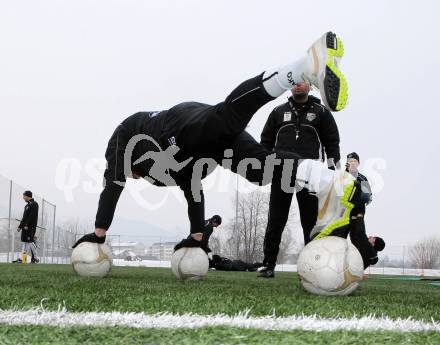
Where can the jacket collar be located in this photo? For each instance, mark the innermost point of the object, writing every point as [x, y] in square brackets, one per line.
[311, 99]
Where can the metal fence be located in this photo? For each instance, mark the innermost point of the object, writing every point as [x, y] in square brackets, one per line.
[11, 211]
[54, 242]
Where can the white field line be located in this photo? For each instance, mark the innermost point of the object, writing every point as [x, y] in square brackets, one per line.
[242, 320]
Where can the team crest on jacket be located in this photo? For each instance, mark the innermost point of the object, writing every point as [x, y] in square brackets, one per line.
[310, 117]
[287, 116]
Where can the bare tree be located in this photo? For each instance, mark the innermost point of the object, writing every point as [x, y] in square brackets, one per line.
[246, 233]
[287, 245]
[426, 253]
[215, 244]
[70, 230]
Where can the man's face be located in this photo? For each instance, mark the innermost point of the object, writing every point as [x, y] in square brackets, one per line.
[372, 240]
[26, 198]
[301, 89]
[353, 164]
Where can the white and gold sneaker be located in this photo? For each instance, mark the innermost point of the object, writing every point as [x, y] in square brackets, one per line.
[323, 71]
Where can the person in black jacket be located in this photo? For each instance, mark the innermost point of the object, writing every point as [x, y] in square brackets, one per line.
[352, 166]
[28, 226]
[154, 145]
[216, 261]
[221, 263]
[304, 126]
[210, 224]
[367, 246]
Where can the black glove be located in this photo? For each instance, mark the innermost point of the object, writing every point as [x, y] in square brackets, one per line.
[89, 238]
[187, 243]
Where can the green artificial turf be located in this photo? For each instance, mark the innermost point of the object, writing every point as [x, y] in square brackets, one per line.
[153, 290]
[221, 335]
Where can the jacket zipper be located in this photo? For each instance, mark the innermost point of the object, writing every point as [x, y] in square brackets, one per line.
[320, 145]
[297, 136]
[276, 137]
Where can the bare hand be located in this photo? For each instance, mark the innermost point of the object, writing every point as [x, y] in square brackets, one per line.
[25, 227]
[99, 232]
[197, 236]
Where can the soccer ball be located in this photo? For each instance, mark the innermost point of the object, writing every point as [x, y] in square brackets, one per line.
[330, 266]
[189, 263]
[91, 259]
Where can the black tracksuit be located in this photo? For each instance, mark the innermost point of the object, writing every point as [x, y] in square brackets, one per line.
[366, 188]
[359, 239]
[356, 228]
[204, 243]
[200, 131]
[358, 234]
[29, 220]
[309, 130]
[224, 264]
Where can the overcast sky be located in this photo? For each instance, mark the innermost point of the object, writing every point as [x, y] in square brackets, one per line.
[71, 71]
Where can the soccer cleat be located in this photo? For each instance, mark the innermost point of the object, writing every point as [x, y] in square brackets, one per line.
[266, 273]
[335, 204]
[323, 72]
[18, 261]
[90, 238]
[35, 261]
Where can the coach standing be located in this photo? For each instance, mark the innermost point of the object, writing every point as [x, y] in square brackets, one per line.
[306, 127]
[28, 225]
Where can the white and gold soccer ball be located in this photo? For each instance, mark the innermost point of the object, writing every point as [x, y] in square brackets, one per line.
[330, 266]
[189, 263]
[91, 259]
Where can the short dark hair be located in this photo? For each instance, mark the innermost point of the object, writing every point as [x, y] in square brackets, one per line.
[28, 193]
[379, 244]
[216, 219]
[353, 155]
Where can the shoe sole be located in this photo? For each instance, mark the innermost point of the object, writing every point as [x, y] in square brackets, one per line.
[331, 80]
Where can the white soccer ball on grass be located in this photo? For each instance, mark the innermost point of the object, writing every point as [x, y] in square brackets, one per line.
[189, 263]
[330, 266]
[91, 259]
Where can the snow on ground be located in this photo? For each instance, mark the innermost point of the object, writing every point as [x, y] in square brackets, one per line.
[280, 268]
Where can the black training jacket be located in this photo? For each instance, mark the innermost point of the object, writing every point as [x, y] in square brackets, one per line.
[308, 129]
[30, 215]
[359, 239]
[366, 188]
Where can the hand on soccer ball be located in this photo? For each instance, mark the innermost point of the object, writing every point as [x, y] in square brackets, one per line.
[187, 243]
[90, 238]
[197, 236]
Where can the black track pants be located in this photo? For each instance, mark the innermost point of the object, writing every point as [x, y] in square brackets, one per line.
[220, 127]
[279, 208]
[308, 211]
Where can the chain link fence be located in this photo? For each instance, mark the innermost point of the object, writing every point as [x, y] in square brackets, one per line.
[11, 211]
[54, 243]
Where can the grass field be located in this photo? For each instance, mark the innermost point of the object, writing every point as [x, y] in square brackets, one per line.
[154, 290]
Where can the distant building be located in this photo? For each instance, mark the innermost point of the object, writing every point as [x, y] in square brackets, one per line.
[161, 250]
[122, 249]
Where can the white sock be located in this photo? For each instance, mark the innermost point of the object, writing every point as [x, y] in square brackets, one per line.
[280, 79]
